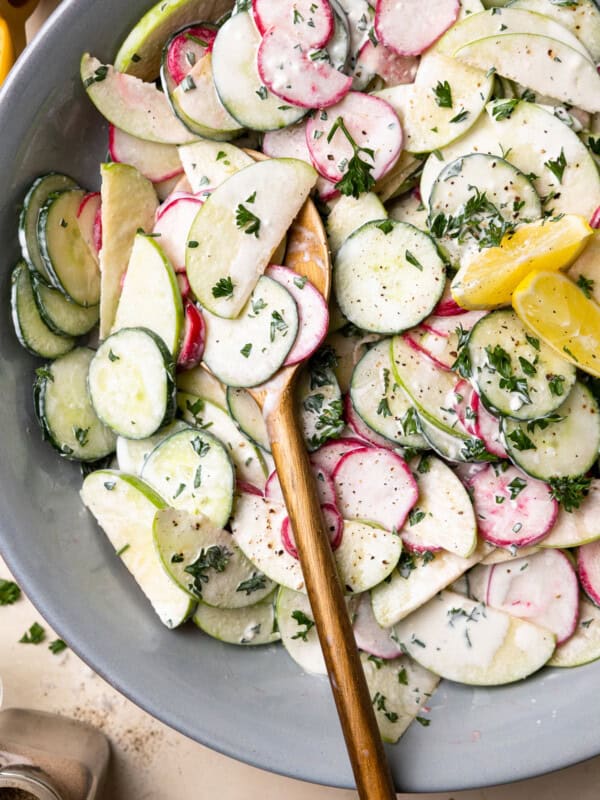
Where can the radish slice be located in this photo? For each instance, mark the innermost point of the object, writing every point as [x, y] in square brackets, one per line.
[414, 340]
[409, 28]
[157, 162]
[447, 326]
[184, 285]
[194, 338]
[360, 427]
[369, 634]
[323, 482]
[588, 569]
[89, 220]
[447, 307]
[371, 122]
[377, 485]
[512, 508]
[309, 22]
[329, 454]
[187, 48]
[595, 220]
[542, 588]
[173, 223]
[248, 488]
[467, 471]
[313, 313]
[297, 76]
[487, 427]
[380, 60]
[463, 393]
[333, 522]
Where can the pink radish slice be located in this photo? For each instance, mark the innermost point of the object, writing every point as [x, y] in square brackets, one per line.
[313, 313]
[187, 48]
[369, 634]
[291, 143]
[376, 485]
[157, 162]
[184, 285]
[323, 482]
[467, 472]
[290, 72]
[408, 27]
[417, 547]
[97, 231]
[194, 337]
[588, 569]
[449, 325]
[328, 455]
[89, 219]
[542, 588]
[413, 339]
[173, 224]
[463, 392]
[595, 220]
[333, 522]
[360, 427]
[380, 60]
[447, 307]
[309, 22]
[371, 122]
[521, 521]
[487, 427]
[248, 488]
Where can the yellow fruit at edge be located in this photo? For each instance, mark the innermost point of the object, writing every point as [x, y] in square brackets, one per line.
[560, 314]
[489, 279]
[6, 50]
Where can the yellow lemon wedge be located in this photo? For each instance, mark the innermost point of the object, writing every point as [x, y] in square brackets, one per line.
[6, 50]
[489, 278]
[559, 313]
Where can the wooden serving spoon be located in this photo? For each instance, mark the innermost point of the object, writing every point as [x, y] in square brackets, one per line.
[308, 255]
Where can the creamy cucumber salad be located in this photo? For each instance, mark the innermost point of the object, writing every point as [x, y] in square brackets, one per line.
[448, 392]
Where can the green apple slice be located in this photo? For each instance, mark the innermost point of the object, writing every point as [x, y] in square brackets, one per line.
[366, 555]
[124, 507]
[252, 625]
[132, 453]
[579, 526]
[150, 296]
[468, 642]
[209, 164]
[584, 646]
[248, 416]
[200, 382]
[349, 213]
[135, 107]
[129, 203]
[239, 227]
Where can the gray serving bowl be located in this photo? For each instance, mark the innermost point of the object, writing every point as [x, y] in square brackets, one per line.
[253, 704]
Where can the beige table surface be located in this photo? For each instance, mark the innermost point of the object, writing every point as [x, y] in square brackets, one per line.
[153, 762]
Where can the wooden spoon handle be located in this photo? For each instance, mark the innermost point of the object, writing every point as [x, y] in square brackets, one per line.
[352, 698]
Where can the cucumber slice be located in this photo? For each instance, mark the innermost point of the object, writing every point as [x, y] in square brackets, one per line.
[399, 689]
[563, 445]
[68, 260]
[150, 296]
[380, 402]
[253, 625]
[36, 197]
[581, 18]
[367, 554]
[206, 563]
[248, 416]
[238, 84]
[131, 383]
[441, 441]
[239, 227]
[350, 213]
[65, 412]
[516, 374]
[125, 507]
[31, 330]
[469, 642]
[296, 625]
[248, 461]
[61, 315]
[192, 470]
[200, 382]
[319, 403]
[208, 164]
[579, 526]
[132, 453]
[584, 646]
[249, 350]
[388, 276]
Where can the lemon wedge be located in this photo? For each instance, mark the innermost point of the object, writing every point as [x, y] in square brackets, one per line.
[6, 50]
[489, 278]
[559, 313]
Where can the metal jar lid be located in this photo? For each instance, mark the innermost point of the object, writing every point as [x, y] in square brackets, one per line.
[29, 779]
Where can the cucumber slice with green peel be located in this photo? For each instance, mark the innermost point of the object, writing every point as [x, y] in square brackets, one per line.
[517, 375]
[31, 330]
[296, 624]
[579, 526]
[248, 416]
[65, 412]
[132, 384]
[192, 470]
[200, 382]
[469, 642]
[584, 645]
[450, 447]
[367, 554]
[238, 82]
[320, 407]
[68, 259]
[239, 227]
[205, 562]
[132, 453]
[252, 625]
[581, 18]
[388, 276]
[125, 507]
[418, 578]
[563, 445]
[209, 164]
[249, 350]
[36, 197]
[150, 296]
[350, 213]
[349, 344]
[60, 314]
[380, 402]
[248, 460]
[399, 689]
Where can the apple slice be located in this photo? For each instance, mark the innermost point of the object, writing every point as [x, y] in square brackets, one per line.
[404, 27]
[584, 646]
[157, 162]
[579, 526]
[88, 216]
[209, 164]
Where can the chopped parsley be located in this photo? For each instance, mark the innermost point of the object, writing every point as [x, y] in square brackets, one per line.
[387, 226]
[306, 622]
[443, 94]
[557, 166]
[379, 701]
[9, 592]
[223, 288]
[515, 487]
[252, 584]
[82, 435]
[556, 384]
[413, 261]
[247, 221]
[57, 646]
[246, 349]
[504, 109]
[200, 446]
[34, 635]
[278, 325]
[570, 492]
[215, 557]
[358, 177]
[586, 285]
[97, 77]
[415, 517]
[520, 440]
